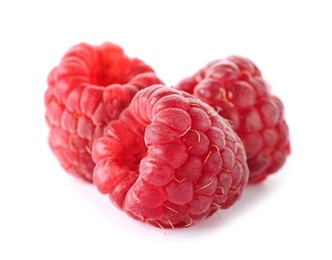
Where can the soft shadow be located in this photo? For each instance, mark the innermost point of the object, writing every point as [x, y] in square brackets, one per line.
[252, 195]
[92, 197]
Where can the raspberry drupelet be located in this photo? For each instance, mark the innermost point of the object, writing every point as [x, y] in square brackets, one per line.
[89, 88]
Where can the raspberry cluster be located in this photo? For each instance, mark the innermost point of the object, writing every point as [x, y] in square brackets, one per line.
[168, 156]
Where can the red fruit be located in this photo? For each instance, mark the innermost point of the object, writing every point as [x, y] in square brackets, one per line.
[87, 90]
[235, 88]
[169, 159]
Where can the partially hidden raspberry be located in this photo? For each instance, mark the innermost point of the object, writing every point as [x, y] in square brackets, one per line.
[88, 89]
[236, 89]
[170, 159]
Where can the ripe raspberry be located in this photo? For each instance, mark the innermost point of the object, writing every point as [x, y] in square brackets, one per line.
[170, 159]
[235, 88]
[88, 89]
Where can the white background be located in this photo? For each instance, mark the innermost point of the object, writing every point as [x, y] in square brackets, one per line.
[47, 214]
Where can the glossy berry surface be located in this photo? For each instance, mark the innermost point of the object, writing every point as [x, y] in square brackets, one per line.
[170, 159]
[89, 88]
[235, 88]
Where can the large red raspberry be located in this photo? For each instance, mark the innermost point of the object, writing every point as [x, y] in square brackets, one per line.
[169, 159]
[235, 88]
[88, 89]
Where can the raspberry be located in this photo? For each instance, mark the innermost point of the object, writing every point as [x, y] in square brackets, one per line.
[169, 160]
[236, 89]
[87, 90]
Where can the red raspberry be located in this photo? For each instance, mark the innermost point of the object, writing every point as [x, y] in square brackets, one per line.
[235, 88]
[170, 159]
[88, 89]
